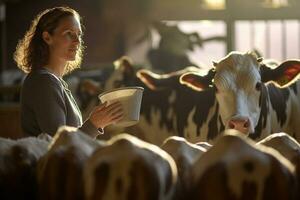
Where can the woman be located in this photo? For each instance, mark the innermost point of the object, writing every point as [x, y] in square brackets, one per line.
[51, 48]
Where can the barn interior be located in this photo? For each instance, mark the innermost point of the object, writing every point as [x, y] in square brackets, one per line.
[176, 149]
[163, 36]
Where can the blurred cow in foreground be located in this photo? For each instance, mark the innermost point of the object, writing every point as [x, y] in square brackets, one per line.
[287, 146]
[74, 166]
[59, 172]
[184, 154]
[236, 168]
[129, 169]
[18, 163]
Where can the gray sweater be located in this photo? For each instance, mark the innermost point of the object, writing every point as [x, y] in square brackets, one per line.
[47, 104]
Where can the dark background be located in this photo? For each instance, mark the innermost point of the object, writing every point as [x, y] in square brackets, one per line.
[104, 23]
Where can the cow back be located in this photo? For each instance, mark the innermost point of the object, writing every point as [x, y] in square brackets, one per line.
[237, 169]
[129, 169]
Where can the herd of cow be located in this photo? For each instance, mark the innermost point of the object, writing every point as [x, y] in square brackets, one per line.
[241, 92]
[192, 140]
[71, 165]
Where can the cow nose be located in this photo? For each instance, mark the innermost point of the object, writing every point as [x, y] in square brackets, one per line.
[240, 124]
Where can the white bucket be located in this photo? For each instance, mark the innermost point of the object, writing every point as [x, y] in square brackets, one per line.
[130, 98]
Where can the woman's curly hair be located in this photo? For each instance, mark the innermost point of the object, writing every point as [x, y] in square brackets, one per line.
[32, 51]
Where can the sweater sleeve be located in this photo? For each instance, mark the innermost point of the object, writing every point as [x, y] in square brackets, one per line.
[87, 127]
[90, 129]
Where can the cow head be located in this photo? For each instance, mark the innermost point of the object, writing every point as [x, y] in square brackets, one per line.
[123, 74]
[239, 80]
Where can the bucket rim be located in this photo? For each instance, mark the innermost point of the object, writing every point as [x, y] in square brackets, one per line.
[121, 88]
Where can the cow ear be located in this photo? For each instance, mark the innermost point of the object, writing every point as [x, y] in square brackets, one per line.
[215, 63]
[283, 75]
[147, 78]
[160, 81]
[196, 81]
[152, 80]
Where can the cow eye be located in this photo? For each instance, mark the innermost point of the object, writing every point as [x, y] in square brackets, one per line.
[258, 86]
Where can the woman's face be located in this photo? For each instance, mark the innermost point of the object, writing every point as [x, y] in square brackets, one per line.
[65, 41]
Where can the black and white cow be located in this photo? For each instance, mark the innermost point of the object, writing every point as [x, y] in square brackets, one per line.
[169, 108]
[191, 114]
[251, 97]
[158, 119]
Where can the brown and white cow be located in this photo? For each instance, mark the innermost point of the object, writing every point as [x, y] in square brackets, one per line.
[250, 96]
[18, 162]
[184, 155]
[129, 169]
[60, 169]
[236, 168]
[287, 146]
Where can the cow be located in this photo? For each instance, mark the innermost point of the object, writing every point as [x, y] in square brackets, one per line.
[159, 108]
[59, 171]
[189, 113]
[251, 97]
[18, 163]
[236, 168]
[184, 155]
[287, 147]
[129, 169]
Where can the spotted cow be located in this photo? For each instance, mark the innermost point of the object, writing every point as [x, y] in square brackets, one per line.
[287, 147]
[59, 171]
[129, 169]
[18, 162]
[184, 155]
[188, 113]
[169, 108]
[236, 168]
[251, 97]
[160, 107]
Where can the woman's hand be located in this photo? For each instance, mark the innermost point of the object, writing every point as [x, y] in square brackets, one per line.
[103, 115]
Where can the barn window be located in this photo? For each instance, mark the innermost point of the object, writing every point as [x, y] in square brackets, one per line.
[272, 27]
[212, 34]
[273, 38]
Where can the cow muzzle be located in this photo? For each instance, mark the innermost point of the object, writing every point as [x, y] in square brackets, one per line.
[241, 124]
